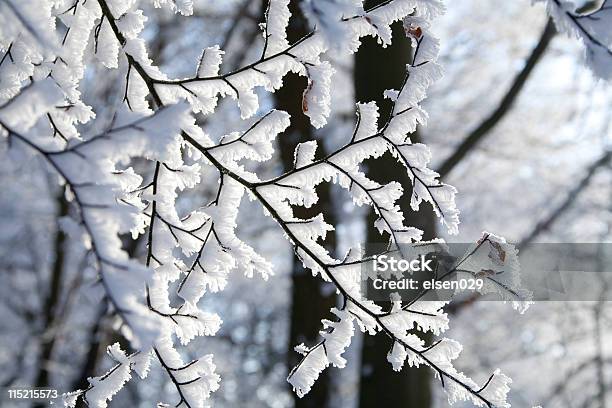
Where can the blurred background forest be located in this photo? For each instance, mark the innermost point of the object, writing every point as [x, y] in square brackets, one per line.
[518, 124]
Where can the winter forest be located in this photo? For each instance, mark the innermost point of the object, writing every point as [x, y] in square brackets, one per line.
[193, 191]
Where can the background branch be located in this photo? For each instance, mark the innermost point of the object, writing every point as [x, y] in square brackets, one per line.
[482, 130]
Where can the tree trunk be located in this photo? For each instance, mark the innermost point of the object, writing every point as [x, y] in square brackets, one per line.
[310, 299]
[377, 69]
[52, 300]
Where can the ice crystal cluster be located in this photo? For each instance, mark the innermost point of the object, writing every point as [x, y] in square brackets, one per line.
[49, 46]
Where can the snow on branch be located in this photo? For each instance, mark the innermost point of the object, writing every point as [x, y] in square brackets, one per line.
[102, 389]
[592, 27]
[93, 187]
[157, 299]
[420, 314]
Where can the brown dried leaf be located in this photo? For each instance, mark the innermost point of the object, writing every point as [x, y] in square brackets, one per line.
[305, 97]
[414, 31]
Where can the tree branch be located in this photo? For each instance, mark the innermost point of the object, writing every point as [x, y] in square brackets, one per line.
[549, 220]
[481, 131]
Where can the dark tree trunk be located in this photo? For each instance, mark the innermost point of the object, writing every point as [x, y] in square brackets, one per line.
[377, 69]
[52, 300]
[310, 300]
[90, 362]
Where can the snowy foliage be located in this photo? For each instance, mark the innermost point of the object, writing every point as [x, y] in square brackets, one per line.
[592, 27]
[48, 47]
